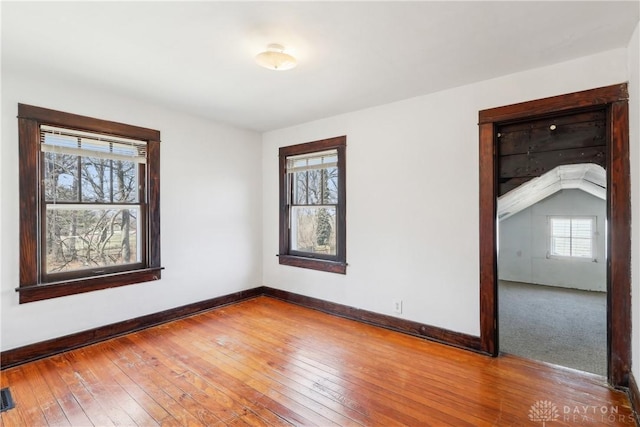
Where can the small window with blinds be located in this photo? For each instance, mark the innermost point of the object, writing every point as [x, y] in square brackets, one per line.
[572, 237]
[312, 198]
[95, 222]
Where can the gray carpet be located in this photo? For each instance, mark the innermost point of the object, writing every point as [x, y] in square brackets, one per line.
[565, 327]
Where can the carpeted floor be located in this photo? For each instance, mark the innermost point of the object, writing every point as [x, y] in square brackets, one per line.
[565, 327]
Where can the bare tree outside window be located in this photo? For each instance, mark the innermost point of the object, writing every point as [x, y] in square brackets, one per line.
[91, 204]
[94, 222]
[314, 210]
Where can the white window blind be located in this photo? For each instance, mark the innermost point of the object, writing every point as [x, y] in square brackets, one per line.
[318, 160]
[572, 237]
[78, 143]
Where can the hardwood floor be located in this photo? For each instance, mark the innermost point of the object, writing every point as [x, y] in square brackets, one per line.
[266, 362]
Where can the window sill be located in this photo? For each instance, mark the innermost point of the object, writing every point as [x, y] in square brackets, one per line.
[314, 264]
[572, 258]
[77, 286]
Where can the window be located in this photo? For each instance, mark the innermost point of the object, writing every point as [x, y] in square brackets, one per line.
[89, 204]
[571, 237]
[313, 205]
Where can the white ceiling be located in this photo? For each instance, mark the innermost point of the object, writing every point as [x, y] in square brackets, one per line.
[198, 56]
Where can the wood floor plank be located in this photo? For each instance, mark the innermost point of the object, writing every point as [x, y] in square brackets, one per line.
[91, 407]
[180, 404]
[277, 372]
[511, 383]
[273, 413]
[158, 414]
[11, 417]
[45, 397]
[274, 369]
[24, 398]
[285, 366]
[217, 402]
[195, 372]
[465, 389]
[274, 390]
[106, 392]
[143, 395]
[222, 375]
[115, 393]
[406, 406]
[68, 403]
[265, 362]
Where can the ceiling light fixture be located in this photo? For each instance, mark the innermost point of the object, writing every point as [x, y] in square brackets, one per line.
[274, 58]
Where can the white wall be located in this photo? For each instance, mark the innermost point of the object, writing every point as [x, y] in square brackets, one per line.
[412, 194]
[524, 244]
[210, 211]
[634, 142]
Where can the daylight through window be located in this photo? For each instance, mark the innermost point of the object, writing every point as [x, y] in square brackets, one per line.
[312, 198]
[95, 221]
[571, 236]
[315, 197]
[92, 200]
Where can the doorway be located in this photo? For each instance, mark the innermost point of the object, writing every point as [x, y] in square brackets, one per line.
[552, 261]
[612, 101]
[551, 251]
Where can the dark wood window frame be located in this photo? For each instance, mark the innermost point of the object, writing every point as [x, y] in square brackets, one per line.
[333, 264]
[614, 101]
[33, 285]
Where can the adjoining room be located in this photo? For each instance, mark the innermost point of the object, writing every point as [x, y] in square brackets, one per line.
[553, 268]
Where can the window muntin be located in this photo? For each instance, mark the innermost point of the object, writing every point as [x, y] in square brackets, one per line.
[89, 204]
[312, 221]
[571, 237]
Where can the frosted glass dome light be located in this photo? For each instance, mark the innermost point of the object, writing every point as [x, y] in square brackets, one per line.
[274, 58]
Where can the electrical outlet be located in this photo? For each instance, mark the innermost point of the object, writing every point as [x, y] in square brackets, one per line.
[397, 306]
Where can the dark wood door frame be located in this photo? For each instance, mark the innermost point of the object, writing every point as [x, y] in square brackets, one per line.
[614, 100]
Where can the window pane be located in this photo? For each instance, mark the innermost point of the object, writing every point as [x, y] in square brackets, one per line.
[300, 188]
[321, 160]
[96, 180]
[330, 184]
[299, 163]
[61, 177]
[312, 161]
[313, 229]
[79, 239]
[561, 246]
[581, 248]
[316, 186]
[581, 228]
[125, 181]
[561, 227]
[107, 181]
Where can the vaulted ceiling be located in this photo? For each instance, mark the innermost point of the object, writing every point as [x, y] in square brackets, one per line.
[198, 56]
[590, 178]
